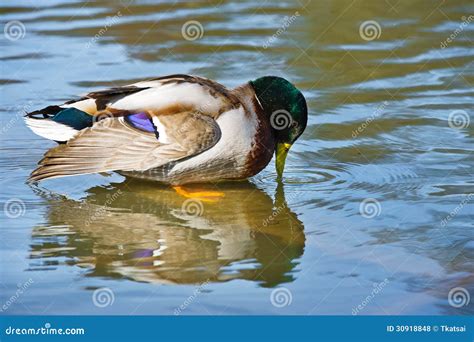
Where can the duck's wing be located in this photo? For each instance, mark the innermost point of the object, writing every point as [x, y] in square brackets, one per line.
[157, 94]
[130, 144]
[163, 95]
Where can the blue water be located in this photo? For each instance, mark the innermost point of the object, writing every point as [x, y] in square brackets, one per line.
[376, 212]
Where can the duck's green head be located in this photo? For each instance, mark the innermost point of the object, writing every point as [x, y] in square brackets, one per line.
[286, 109]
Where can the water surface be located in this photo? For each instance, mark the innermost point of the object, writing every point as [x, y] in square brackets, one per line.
[377, 193]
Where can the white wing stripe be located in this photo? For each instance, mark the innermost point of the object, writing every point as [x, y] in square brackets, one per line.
[50, 129]
[162, 136]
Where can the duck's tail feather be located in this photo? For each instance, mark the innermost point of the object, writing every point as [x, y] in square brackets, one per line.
[50, 129]
[58, 124]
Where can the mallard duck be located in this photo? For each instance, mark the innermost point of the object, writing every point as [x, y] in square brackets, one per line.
[174, 129]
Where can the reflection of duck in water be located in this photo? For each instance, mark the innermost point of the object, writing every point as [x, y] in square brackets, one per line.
[164, 238]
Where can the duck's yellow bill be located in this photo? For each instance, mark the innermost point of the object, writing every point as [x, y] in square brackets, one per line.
[281, 153]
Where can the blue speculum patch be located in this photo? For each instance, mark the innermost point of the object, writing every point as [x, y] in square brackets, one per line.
[74, 118]
[140, 121]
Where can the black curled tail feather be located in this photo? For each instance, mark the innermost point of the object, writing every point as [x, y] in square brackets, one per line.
[46, 112]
